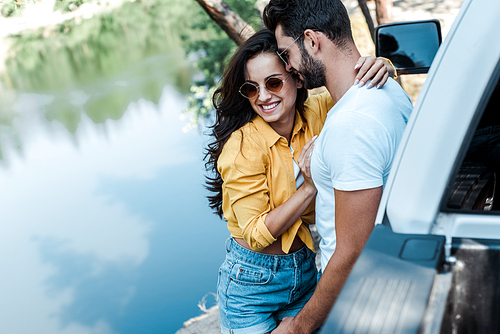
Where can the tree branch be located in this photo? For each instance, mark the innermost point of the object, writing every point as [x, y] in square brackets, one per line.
[368, 18]
[384, 11]
[234, 26]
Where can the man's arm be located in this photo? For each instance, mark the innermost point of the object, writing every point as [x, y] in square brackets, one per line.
[355, 213]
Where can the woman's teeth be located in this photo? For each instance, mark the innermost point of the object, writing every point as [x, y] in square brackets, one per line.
[271, 106]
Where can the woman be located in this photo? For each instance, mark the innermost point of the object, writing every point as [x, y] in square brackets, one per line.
[263, 137]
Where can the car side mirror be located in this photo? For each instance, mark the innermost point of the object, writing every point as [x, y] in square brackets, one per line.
[411, 46]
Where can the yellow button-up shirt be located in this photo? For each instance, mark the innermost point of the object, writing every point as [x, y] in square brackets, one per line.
[257, 169]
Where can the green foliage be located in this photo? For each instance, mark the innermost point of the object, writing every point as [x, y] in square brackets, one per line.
[213, 49]
[119, 57]
[108, 61]
[200, 105]
[68, 5]
[13, 7]
[9, 7]
[215, 46]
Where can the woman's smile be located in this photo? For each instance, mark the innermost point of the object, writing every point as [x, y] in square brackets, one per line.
[275, 106]
[268, 108]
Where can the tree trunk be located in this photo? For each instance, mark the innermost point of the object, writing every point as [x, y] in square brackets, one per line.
[384, 11]
[260, 4]
[368, 18]
[235, 27]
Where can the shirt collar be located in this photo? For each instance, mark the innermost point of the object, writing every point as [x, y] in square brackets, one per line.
[266, 130]
[300, 124]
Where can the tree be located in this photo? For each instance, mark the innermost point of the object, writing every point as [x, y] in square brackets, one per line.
[238, 30]
[366, 13]
[384, 11]
[212, 40]
[234, 26]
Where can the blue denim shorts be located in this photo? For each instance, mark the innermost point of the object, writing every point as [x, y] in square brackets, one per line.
[256, 290]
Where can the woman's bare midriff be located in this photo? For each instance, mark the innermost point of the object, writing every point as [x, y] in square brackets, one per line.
[275, 247]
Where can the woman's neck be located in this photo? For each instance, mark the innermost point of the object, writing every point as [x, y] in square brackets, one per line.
[284, 129]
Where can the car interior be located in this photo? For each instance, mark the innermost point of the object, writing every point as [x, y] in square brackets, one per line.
[473, 302]
[475, 187]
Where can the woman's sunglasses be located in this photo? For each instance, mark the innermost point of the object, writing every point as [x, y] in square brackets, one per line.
[273, 84]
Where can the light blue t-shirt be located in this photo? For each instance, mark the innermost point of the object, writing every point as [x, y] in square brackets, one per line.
[355, 149]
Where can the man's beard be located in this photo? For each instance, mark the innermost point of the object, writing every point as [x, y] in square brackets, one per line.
[312, 71]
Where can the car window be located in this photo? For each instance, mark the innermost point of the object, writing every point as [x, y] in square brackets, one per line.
[476, 186]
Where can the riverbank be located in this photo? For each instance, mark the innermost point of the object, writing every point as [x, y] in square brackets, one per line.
[41, 14]
[206, 323]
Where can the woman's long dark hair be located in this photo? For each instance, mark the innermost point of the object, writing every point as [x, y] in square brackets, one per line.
[233, 110]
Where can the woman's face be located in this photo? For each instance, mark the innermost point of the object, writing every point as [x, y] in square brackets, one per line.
[275, 108]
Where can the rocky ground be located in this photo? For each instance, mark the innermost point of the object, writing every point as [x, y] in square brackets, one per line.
[207, 323]
[404, 10]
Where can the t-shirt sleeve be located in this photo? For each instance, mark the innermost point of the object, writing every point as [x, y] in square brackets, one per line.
[242, 166]
[358, 152]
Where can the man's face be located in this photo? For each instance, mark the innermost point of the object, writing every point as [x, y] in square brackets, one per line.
[287, 49]
[311, 71]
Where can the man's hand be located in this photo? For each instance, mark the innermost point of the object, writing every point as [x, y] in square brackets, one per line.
[285, 327]
[355, 213]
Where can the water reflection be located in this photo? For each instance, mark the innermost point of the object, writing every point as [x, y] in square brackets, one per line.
[106, 230]
[95, 68]
[105, 224]
[103, 99]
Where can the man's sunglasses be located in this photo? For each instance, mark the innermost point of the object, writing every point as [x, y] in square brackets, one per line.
[284, 54]
[273, 85]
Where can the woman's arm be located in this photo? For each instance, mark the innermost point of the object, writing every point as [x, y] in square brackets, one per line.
[283, 216]
[247, 199]
[378, 70]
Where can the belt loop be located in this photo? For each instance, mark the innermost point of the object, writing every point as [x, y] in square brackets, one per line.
[275, 266]
[228, 244]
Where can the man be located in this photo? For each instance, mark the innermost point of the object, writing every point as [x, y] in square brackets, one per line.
[354, 152]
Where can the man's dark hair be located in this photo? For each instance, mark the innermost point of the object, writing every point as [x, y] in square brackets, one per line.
[328, 16]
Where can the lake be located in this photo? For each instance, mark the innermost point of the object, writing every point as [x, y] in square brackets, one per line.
[104, 217]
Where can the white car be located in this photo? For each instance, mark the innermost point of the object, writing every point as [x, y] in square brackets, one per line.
[432, 263]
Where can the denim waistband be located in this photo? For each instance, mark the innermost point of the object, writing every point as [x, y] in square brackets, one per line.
[267, 260]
